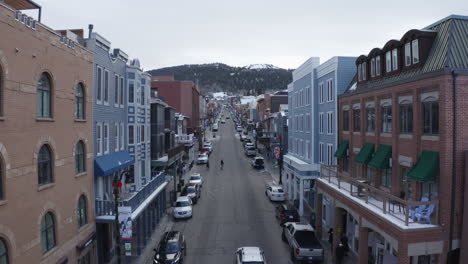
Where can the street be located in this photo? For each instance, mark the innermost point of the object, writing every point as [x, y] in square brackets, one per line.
[233, 210]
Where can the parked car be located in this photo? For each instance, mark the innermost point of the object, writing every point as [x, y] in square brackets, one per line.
[208, 146]
[247, 143]
[222, 121]
[258, 163]
[242, 137]
[193, 191]
[215, 127]
[303, 242]
[205, 151]
[196, 178]
[227, 117]
[250, 255]
[183, 207]
[275, 193]
[245, 132]
[286, 214]
[171, 248]
[239, 129]
[250, 151]
[202, 158]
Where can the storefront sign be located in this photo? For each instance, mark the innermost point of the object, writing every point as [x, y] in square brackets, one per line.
[128, 249]
[125, 220]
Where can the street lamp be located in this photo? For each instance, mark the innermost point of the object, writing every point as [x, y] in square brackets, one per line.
[117, 184]
[280, 161]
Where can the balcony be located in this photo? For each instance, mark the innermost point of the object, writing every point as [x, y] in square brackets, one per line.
[394, 209]
[133, 200]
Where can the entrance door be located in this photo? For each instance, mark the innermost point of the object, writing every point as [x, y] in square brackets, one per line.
[379, 253]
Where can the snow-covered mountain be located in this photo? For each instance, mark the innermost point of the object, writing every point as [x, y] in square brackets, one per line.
[260, 66]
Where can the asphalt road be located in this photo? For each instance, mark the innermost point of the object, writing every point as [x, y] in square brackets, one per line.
[233, 210]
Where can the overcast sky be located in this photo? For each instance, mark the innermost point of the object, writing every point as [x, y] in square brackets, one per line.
[165, 33]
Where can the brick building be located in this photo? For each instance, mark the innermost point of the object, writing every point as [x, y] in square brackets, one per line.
[184, 96]
[46, 146]
[397, 191]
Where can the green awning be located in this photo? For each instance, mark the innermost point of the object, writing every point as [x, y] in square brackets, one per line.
[381, 157]
[365, 154]
[341, 150]
[426, 169]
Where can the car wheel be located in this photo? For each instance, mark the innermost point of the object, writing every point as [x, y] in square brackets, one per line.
[283, 237]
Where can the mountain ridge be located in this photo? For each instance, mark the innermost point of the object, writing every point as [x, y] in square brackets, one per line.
[251, 79]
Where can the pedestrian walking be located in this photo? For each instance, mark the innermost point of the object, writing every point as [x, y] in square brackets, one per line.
[340, 252]
[222, 164]
[344, 241]
[330, 236]
[208, 164]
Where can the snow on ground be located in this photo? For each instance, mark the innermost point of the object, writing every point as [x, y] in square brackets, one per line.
[260, 66]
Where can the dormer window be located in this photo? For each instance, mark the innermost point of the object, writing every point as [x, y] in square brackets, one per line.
[415, 49]
[388, 61]
[359, 70]
[377, 66]
[395, 59]
[364, 70]
[372, 71]
[408, 54]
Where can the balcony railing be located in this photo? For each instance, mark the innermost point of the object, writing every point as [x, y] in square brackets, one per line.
[106, 207]
[402, 210]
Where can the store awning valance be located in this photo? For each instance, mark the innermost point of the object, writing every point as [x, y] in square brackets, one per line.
[108, 164]
[381, 158]
[365, 154]
[341, 150]
[427, 167]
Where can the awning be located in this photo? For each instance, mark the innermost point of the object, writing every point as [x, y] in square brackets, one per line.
[380, 160]
[426, 169]
[341, 150]
[111, 163]
[365, 154]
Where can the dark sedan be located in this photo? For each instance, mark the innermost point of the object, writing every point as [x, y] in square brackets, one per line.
[287, 214]
[171, 249]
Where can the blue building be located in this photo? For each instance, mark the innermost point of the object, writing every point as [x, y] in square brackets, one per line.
[122, 151]
[313, 124]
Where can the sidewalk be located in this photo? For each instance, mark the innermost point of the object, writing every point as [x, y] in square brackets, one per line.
[164, 225]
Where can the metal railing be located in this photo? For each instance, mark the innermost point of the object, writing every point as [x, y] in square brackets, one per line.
[382, 200]
[106, 207]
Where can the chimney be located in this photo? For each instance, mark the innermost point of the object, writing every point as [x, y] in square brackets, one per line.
[90, 27]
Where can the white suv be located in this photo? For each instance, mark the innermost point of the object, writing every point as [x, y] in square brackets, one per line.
[183, 208]
[275, 193]
[250, 255]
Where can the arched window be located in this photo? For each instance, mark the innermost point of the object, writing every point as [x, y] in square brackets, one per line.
[81, 211]
[44, 96]
[80, 157]
[44, 165]
[1, 93]
[1, 183]
[3, 252]
[48, 232]
[79, 102]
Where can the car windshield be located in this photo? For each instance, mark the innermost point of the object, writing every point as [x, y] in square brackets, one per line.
[202, 156]
[259, 161]
[171, 248]
[191, 190]
[182, 204]
[195, 178]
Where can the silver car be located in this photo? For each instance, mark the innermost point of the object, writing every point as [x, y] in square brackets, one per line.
[196, 178]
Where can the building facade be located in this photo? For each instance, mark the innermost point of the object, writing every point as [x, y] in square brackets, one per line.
[46, 147]
[397, 192]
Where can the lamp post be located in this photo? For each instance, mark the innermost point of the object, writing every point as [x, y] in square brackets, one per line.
[117, 184]
[280, 161]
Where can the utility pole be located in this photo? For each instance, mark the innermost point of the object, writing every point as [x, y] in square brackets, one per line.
[117, 184]
[280, 161]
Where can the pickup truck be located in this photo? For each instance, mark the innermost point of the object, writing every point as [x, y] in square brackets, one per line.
[304, 245]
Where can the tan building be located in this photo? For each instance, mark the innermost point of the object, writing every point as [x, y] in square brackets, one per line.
[46, 161]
